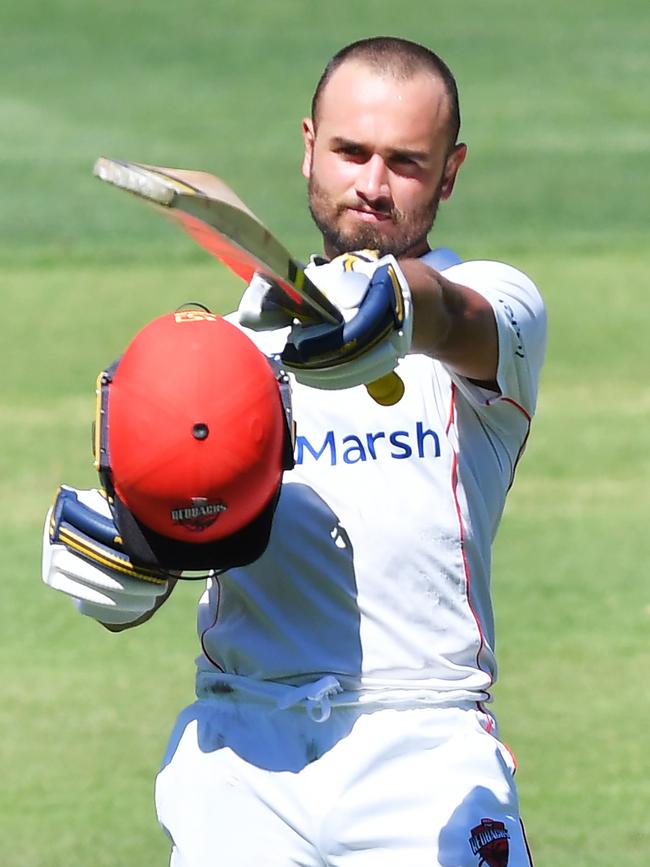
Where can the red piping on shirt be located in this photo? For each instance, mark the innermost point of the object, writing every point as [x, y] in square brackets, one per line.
[461, 529]
[522, 448]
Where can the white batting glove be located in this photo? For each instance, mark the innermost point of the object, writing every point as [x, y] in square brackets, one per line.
[83, 557]
[375, 301]
[259, 308]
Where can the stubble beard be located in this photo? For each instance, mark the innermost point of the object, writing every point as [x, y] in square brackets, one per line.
[410, 239]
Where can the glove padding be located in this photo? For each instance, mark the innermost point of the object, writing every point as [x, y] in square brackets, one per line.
[83, 556]
[375, 301]
[260, 308]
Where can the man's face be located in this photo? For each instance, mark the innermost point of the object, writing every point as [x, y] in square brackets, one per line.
[379, 161]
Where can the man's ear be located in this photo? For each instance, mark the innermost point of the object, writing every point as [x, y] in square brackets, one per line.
[454, 161]
[308, 136]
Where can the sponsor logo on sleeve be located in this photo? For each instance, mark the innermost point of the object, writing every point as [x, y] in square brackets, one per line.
[510, 313]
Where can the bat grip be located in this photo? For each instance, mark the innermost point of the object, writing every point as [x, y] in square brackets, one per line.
[387, 390]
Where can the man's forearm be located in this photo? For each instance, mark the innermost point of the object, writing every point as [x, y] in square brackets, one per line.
[452, 323]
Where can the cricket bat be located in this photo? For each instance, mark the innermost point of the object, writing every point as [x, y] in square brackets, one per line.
[213, 215]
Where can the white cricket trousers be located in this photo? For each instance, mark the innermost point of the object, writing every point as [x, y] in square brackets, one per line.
[244, 784]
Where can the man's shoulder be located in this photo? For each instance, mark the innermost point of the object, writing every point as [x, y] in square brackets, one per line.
[489, 276]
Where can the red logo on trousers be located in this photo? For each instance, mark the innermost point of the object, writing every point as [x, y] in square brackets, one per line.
[489, 840]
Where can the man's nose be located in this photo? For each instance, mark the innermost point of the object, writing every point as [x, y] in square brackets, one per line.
[372, 182]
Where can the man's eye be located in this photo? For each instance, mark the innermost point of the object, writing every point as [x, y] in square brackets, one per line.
[352, 153]
[405, 165]
[403, 160]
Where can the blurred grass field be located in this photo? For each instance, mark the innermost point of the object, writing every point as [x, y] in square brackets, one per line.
[555, 103]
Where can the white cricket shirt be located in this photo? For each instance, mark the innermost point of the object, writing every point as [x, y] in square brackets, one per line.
[378, 567]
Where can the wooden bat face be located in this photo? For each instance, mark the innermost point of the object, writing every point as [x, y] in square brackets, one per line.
[212, 214]
[216, 218]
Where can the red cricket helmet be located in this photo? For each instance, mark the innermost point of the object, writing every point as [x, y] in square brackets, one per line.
[192, 437]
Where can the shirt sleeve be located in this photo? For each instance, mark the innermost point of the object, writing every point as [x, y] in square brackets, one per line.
[521, 323]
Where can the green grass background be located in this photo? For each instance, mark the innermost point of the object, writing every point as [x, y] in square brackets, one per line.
[555, 103]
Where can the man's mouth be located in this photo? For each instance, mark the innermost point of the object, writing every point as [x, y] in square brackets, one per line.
[368, 215]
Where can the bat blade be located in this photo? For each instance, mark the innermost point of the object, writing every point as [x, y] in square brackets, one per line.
[222, 224]
[213, 215]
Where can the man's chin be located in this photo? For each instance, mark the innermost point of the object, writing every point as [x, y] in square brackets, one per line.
[383, 244]
[345, 234]
[361, 237]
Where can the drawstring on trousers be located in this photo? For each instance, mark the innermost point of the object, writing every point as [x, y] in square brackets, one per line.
[315, 697]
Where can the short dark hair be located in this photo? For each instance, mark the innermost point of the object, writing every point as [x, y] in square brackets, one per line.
[400, 58]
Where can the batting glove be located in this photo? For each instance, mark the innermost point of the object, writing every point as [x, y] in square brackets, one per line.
[261, 308]
[83, 557]
[375, 301]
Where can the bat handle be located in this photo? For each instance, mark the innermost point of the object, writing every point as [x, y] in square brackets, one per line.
[387, 390]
